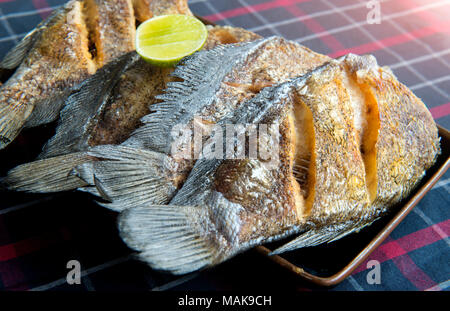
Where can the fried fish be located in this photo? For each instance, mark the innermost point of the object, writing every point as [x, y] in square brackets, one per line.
[353, 142]
[64, 50]
[62, 39]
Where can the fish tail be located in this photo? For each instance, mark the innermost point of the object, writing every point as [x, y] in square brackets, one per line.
[128, 177]
[47, 175]
[12, 120]
[170, 238]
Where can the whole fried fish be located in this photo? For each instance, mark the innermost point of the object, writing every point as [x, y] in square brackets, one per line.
[64, 50]
[120, 94]
[352, 142]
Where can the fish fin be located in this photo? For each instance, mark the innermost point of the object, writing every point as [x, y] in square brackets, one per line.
[315, 237]
[169, 237]
[351, 230]
[47, 111]
[174, 102]
[200, 75]
[47, 175]
[128, 177]
[92, 190]
[307, 239]
[17, 54]
[12, 120]
[83, 106]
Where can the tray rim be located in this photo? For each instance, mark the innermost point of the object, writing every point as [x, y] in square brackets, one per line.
[376, 241]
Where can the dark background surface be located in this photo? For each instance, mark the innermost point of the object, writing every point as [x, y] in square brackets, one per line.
[39, 234]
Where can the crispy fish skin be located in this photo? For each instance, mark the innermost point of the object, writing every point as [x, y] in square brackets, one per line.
[207, 228]
[130, 86]
[226, 206]
[136, 93]
[112, 28]
[166, 7]
[336, 155]
[133, 95]
[142, 10]
[394, 119]
[405, 126]
[250, 68]
[228, 35]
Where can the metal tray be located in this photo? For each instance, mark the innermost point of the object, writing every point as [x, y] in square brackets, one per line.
[330, 264]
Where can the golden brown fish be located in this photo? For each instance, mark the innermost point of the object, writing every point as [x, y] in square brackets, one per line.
[145, 9]
[64, 50]
[360, 141]
[106, 110]
[112, 28]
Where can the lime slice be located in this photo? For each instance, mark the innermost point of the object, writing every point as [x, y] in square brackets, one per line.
[165, 40]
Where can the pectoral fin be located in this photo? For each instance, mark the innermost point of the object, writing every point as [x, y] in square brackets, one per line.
[128, 177]
[169, 237]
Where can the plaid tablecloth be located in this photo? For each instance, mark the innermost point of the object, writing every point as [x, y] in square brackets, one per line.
[40, 234]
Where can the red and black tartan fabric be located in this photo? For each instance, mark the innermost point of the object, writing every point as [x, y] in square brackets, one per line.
[39, 234]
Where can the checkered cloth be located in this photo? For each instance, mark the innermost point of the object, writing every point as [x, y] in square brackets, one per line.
[40, 234]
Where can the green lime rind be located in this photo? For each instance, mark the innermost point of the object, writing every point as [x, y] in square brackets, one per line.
[164, 41]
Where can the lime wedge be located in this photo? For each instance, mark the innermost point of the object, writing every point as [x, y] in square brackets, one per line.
[165, 40]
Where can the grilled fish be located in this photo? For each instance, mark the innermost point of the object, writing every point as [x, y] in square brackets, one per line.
[64, 50]
[106, 109]
[353, 141]
[227, 35]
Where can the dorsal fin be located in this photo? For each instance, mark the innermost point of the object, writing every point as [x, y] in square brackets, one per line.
[82, 108]
[202, 75]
